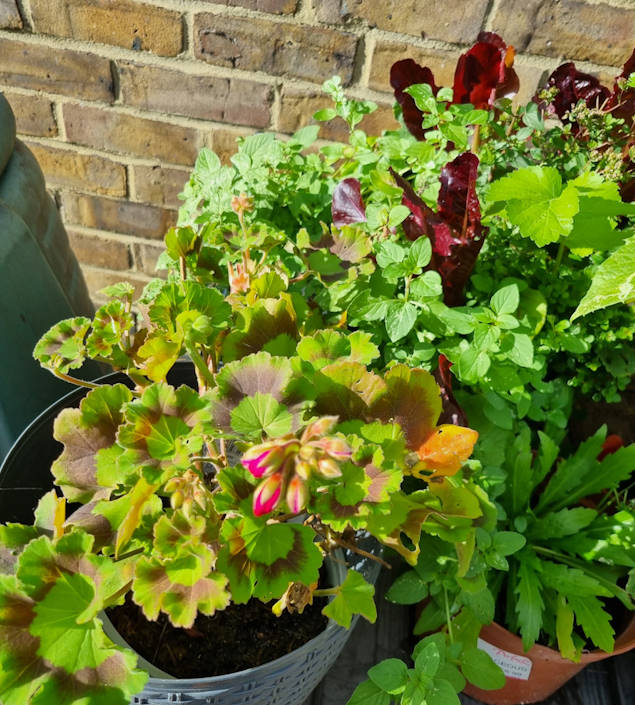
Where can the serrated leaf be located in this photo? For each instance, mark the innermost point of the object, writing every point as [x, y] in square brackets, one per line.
[612, 283]
[391, 675]
[407, 589]
[428, 660]
[505, 300]
[537, 203]
[353, 596]
[62, 347]
[367, 693]
[261, 415]
[427, 286]
[594, 620]
[529, 604]
[564, 630]
[566, 522]
[442, 692]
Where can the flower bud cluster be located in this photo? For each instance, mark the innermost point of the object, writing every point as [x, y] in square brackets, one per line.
[286, 465]
[187, 491]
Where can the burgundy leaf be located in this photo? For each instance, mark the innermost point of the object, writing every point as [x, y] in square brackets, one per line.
[484, 73]
[452, 412]
[407, 73]
[347, 206]
[455, 231]
[622, 103]
[573, 85]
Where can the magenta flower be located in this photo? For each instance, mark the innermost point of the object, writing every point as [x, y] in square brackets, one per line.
[296, 494]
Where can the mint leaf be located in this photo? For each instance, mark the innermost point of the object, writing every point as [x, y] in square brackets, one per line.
[367, 693]
[505, 300]
[400, 319]
[428, 659]
[390, 675]
[408, 589]
[479, 669]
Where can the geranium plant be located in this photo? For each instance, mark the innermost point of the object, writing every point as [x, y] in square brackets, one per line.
[194, 498]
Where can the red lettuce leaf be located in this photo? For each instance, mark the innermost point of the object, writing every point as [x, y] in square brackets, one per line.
[484, 73]
[347, 207]
[452, 412]
[573, 85]
[404, 74]
[622, 103]
[455, 230]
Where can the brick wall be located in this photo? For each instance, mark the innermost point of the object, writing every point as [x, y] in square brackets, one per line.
[115, 97]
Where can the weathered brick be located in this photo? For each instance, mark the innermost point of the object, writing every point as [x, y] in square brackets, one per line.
[9, 15]
[33, 114]
[97, 279]
[567, 28]
[53, 70]
[124, 23]
[100, 251]
[146, 255]
[441, 62]
[119, 132]
[159, 185]
[65, 168]
[530, 77]
[274, 7]
[116, 215]
[311, 53]
[234, 100]
[224, 142]
[298, 106]
[456, 22]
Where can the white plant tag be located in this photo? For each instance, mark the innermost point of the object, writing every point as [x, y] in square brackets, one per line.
[513, 665]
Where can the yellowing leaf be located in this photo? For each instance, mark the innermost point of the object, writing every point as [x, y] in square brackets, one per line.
[446, 449]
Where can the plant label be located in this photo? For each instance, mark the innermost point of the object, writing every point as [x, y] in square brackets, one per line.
[513, 665]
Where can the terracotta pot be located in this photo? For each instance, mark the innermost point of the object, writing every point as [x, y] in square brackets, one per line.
[539, 671]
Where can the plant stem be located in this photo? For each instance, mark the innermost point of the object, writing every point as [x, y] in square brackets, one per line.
[182, 268]
[360, 551]
[325, 592]
[448, 620]
[74, 380]
[205, 377]
[476, 139]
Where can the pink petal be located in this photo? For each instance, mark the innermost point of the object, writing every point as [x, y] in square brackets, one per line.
[267, 494]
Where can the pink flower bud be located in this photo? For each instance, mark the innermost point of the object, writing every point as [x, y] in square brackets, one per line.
[264, 458]
[327, 467]
[296, 494]
[267, 494]
[319, 428]
[303, 469]
[337, 448]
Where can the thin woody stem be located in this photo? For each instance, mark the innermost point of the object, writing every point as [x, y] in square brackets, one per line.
[74, 380]
[360, 551]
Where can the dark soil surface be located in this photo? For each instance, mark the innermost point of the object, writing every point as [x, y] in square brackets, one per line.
[239, 637]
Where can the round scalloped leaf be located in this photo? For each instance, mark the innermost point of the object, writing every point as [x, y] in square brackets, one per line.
[179, 297]
[111, 325]
[413, 400]
[346, 390]
[261, 415]
[62, 347]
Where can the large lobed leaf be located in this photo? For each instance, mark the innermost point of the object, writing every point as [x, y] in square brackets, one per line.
[62, 348]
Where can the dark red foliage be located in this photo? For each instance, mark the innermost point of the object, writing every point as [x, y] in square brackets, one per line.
[452, 412]
[622, 103]
[484, 73]
[573, 85]
[610, 445]
[407, 73]
[455, 230]
[347, 206]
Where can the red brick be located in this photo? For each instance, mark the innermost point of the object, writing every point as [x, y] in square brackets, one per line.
[43, 68]
[146, 255]
[233, 100]
[33, 114]
[132, 25]
[9, 15]
[456, 22]
[311, 53]
[567, 28]
[298, 106]
[274, 7]
[224, 142]
[159, 185]
[441, 62]
[113, 131]
[65, 168]
[100, 251]
[97, 279]
[116, 215]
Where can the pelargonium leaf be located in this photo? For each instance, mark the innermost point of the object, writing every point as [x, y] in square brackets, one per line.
[154, 590]
[326, 346]
[354, 596]
[347, 206]
[111, 325]
[346, 389]
[350, 244]
[411, 399]
[84, 432]
[261, 415]
[266, 543]
[156, 357]
[178, 297]
[62, 347]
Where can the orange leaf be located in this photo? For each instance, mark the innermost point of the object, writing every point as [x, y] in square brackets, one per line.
[446, 449]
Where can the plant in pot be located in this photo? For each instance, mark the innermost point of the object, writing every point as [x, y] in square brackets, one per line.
[191, 499]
